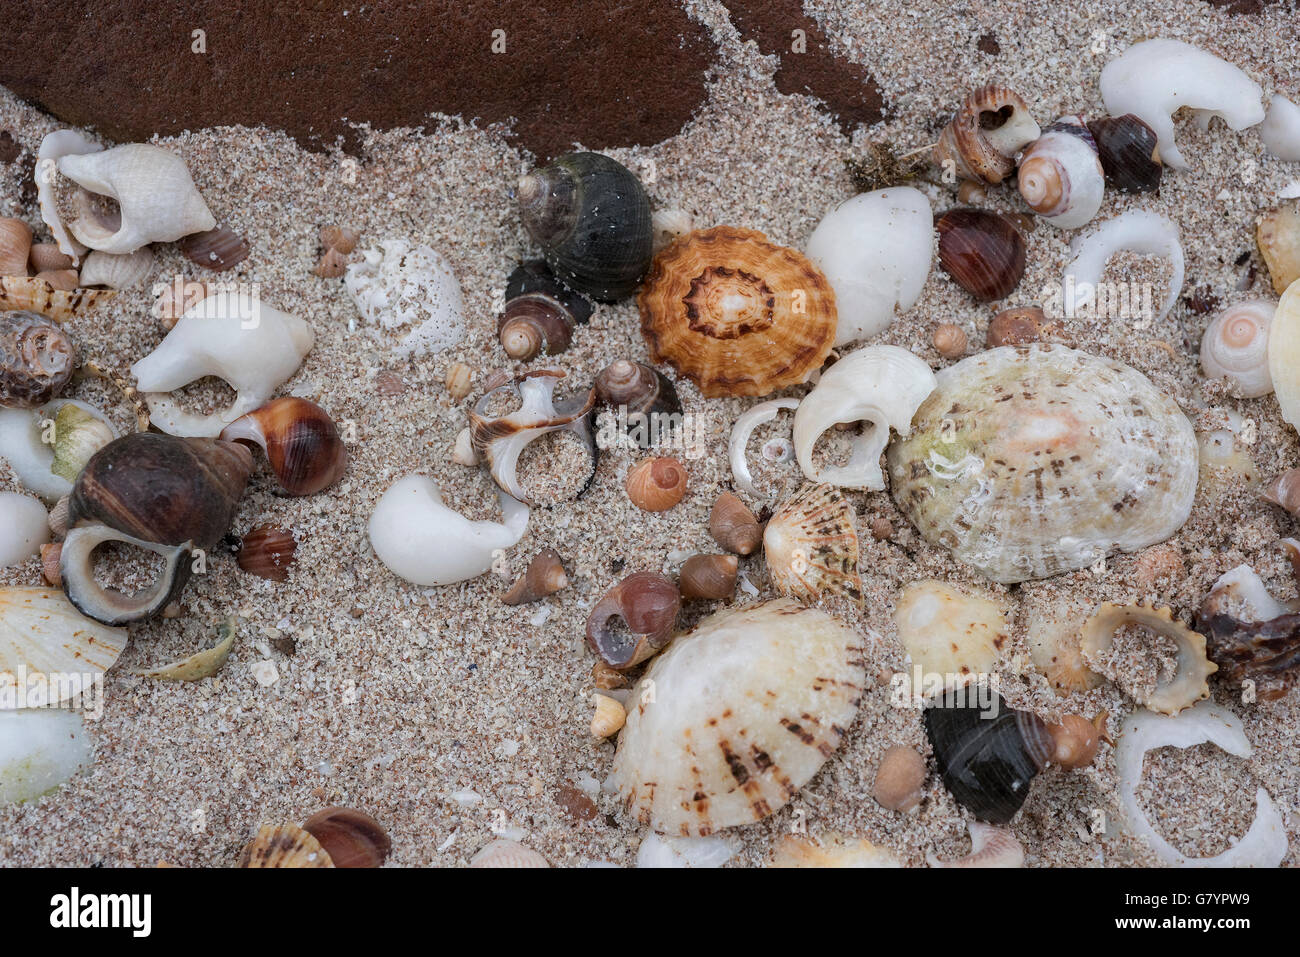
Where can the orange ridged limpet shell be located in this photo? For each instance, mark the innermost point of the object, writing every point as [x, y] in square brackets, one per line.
[736, 314]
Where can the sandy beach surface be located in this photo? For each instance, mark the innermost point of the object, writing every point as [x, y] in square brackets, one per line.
[451, 717]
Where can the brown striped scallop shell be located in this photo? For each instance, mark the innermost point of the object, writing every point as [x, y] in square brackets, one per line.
[811, 545]
[736, 716]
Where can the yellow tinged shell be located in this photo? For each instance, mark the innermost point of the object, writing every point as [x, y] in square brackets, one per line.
[948, 632]
[1278, 236]
[736, 716]
[43, 635]
[202, 664]
[1188, 684]
[811, 546]
[830, 849]
[1284, 354]
[284, 845]
[34, 293]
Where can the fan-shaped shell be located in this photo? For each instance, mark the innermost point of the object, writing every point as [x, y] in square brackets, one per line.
[811, 545]
[1031, 461]
[284, 846]
[736, 314]
[41, 634]
[736, 716]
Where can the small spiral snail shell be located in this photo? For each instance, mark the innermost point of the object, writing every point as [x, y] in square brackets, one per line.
[37, 359]
[592, 219]
[544, 576]
[657, 484]
[647, 604]
[639, 387]
[982, 251]
[708, 576]
[540, 313]
[1060, 175]
[734, 526]
[987, 132]
[300, 440]
[1129, 153]
[1235, 346]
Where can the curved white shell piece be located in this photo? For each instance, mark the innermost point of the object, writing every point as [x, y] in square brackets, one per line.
[1154, 78]
[233, 336]
[880, 385]
[1137, 231]
[54, 147]
[678, 852]
[875, 250]
[425, 542]
[745, 425]
[24, 528]
[23, 446]
[155, 193]
[396, 287]
[40, 748]
[1280, 130]
[1264, 845]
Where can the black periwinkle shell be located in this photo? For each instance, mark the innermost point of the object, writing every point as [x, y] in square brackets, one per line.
[1127, 149]
[987, 761]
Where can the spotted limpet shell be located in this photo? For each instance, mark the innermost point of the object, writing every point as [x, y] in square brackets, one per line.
[736, 716]
[1032, 461]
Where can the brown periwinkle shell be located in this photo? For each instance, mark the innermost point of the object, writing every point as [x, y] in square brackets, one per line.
[37, 359]
[638, 387]
[540, 312]
[1128, 152]
[657, 484]
[591, 217]
[983, 251]
[899, 779]
[1016, 327]
[646, 605]
[350, 837]
[733, 525]
[544, 576]
[1074, 742]
[267, 552]
[708, 576]
[216, 249]
[300, 440]
[987, 761]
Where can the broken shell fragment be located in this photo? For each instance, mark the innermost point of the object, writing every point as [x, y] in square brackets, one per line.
[15, 246]
[116, 272]
[40, 749]
[37, 359]
[398, 286]
[331, 265]
[647, 604]
[609, 716]
[425, 542]
[1284, 491]
[78, 435]
[340, 238]
[1280, 131]
[745, 425]
[201, 664]
[1284, 354]
[1277, 234]
[459, 380]
[215, 249]
[544, 576]
[300, 440]
[811, 546]
[733, 525]
[899, 779]
[737, 314]
[350, 837]
[830, 849]
[540, 313]
[1129, 153]
[1052, 621]
[45, 638]
[947, 632]
[1060, 176]
[989, 847]
[708, 576]
[879, 386]
[267, 552]
[1013, 462]
[35, 294]
[656, 485]
[992, 125]
[285, 845]
[982, 251]
[784, 680]
[54, 146]
[1138, 231]
[235, 337]
[1235, 346]
[1189, 683]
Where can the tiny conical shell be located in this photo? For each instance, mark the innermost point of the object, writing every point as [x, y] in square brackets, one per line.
[992, 125]
[811, 545]
[41, 633]
[736, 716]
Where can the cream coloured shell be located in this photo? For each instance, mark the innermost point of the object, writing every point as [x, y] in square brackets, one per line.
[948, 632]
[401, 287]
[736, 716]
[1187, 685]
[1284, 354]
[43, 635]
[1060, 175]
[1032, 461]
[1235, 346]
[117, 272]
[811, 545]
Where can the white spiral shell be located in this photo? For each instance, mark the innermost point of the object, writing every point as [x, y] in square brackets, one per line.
[1060, 175]
[1235, 346]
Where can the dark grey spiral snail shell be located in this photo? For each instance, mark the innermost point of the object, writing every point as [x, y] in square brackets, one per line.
[540, 312]
[1129, 156]
[987, 761]
[591, 217]
[37, 358]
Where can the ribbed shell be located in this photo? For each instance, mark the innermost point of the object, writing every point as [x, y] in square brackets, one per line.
[37, 358]
[42, 633]
[736, 716]
[1031, 461]
[811, 545]
[737, 314]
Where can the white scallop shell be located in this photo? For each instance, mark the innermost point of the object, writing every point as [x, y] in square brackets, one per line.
[1280, 130]
[736, 716]
[1032, 461]
[881, 386]
[155, 194]
[397, 286]
[1138, 231]
[1284, 354]
[948, 632]
[43, 637]
[40, 748]
[1235, 346]
[24, 528]
[875, 250]
[1155, 78]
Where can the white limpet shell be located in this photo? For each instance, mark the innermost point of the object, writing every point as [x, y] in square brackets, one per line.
[1280, 130]
[425, 542]
[1264, 845]
[54, 147]
[40, 748]
[677, 852]
[736, 716]
[117, 272]
[22, 445]
[830, 849]
[1235, 346]
[233, 336]
[1154, 78]
[1284, 354]
[881, 386]
[24, 528]
[1137, 231]
[155, 195]
[745, 425]
[875, 250]
[397, 286]
[990, 847]
[948, 632]
[44, 637]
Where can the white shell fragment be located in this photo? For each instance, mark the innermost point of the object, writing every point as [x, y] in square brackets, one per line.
[1280, 130]
[678, 852]
[23, 446]
[54, 147]
[745, 425]
[1155, 78]
[830, 849]
[155, 194]
[1284, 354]
[43, 637]
[990, 847]
[1137, 231]
[875, 250]
[117, 272]
[947, 632]
[1264, 845]
[425, 542]
[1235, 347]
[40, 748]
[736, 716]
[880, 386]
[233, 336]
[397, 287]
[1031, 461]
[24, 528]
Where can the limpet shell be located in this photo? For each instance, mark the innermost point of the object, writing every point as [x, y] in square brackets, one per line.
[948, 632]
[736, 314]
[1031, 461]
[736, 716]
[811, 545]
[1189, 683]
